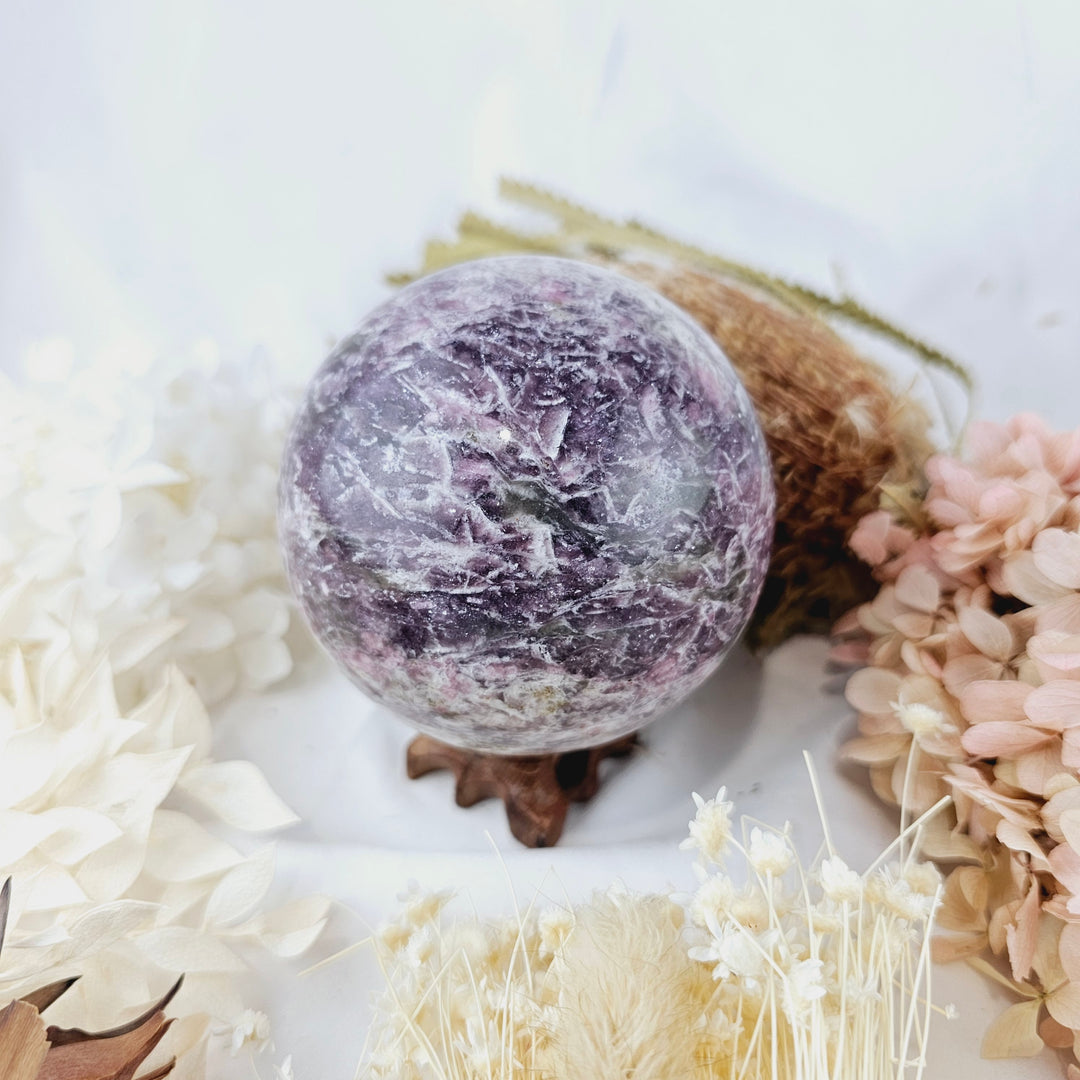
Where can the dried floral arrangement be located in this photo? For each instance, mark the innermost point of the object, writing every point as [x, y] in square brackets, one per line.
[31, 1051]
[839, 430]
[973, 689]
[139, 580]
[769, 969]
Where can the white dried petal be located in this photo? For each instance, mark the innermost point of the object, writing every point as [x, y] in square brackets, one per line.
[291, 929]
[839, 882]
[769, 852]
[180, 849]
[183, 948]
[133, 559]
[238, 794]
[242, 889]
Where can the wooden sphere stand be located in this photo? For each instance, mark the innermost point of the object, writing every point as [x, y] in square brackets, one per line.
[537, 789]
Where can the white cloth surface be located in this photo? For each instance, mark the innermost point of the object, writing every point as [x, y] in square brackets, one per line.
[247, 171]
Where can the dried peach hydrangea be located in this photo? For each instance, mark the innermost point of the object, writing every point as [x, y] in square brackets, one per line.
[972, 688]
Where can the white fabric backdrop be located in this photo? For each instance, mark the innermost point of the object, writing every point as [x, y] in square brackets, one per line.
[248, 170]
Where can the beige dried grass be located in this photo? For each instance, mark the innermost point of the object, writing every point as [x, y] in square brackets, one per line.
[806, 972]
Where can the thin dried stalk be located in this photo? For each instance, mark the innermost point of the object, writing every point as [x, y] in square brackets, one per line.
[809, 972]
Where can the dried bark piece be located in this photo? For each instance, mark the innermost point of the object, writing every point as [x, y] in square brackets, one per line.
[29, 1051]
[537, 789]
[23, 1044]
[63, 1036]
[837, 429]
[115, 1058]
[45, 996]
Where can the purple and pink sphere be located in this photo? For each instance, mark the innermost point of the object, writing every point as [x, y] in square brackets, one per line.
[527, 505]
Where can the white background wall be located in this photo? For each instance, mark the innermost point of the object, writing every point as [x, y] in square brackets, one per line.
[248, 169]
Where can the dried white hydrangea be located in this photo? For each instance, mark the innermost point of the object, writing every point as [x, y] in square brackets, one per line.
[138, 580]
[142, 504]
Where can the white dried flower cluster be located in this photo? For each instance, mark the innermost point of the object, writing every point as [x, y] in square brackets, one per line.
[710, 828]
[142, 505]
[817, 974]
[825, 966]
[136, 552]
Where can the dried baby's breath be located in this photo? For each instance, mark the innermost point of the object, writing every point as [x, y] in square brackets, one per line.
[801, 973]
[138, 579]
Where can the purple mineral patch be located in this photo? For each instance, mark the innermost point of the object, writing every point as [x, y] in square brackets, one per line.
[527, 505]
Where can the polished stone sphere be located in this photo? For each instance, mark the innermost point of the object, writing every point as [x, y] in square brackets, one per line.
[526, 505]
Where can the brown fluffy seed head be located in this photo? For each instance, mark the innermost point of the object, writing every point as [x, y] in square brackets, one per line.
[837, 431]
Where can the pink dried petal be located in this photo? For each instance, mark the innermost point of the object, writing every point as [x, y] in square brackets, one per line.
[1063, 614]
[1036, 769]
[1001, 501]
[945, 512]
[881, 780]
[926, 785]
[1024, 580]
[922, 660]
[877, 538]
[885, 652]
[1056, 806]
[1070, 749]
[945, 746]
[876, 749]
[945, 950]
[849, 654]
[914, 625]
[1056, 1035]
[994, 699]
[911, 656]
[1065, 864]
[1022, 625]
[1020, 840]
[1056, 655]
[962, 671]
[918, 588]
[1057, 556]
[873, 690]
[972, 783]
[965, 547]
[872, 724]
[1002, 738]
[1064, 1004]
[1069, 955]
[957, 481]
[987, 633]
[1069, 824]
[1022, 936]
[1055, 705]
[985, 441]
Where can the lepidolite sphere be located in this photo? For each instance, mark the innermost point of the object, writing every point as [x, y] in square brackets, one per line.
[527, 505]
